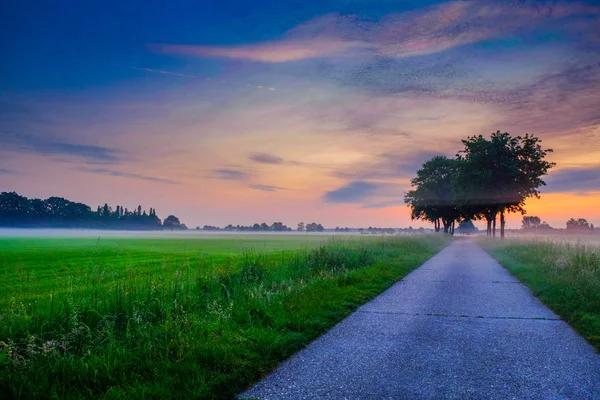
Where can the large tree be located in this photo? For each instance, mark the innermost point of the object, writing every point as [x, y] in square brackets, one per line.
[172, 222]
[474, 180]
[531, 222]
[498, 175]
[579, 224]
[467, 227]
[432, 196]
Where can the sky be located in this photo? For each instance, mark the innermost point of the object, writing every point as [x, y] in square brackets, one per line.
[239, 112]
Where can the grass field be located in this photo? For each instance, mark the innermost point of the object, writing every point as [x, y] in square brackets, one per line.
[559, 238]
[563, 273]
[178, 318]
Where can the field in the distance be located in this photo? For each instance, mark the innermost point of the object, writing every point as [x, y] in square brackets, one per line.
[38, 267]
[178, 318]
[558, 238]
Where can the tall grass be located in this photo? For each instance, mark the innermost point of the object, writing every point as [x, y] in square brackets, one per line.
[184, 329]
[564, 275]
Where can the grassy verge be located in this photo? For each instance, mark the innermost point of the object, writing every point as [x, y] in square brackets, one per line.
[564, 276]
[174, 326]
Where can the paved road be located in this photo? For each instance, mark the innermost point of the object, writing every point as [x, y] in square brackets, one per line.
[459, 327]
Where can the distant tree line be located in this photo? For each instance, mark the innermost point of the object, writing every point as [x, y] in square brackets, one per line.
[57, 212]
[312, 227]
[531, 223]
[208, 228]
[122, 218]
[338, 229]
[410, 229]
[262, 227]
[466, 227]
[379, 230]
[579, 225]
[574, 225]
[488, 178]
[173, 223]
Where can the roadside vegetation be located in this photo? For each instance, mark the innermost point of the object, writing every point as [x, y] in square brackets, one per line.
[128, 319]
[562, 274]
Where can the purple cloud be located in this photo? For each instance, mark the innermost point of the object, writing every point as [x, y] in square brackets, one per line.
[228, 174]
[264, 158]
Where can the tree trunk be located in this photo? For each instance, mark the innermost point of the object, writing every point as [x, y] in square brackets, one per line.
[489, 226]
[502, 223]
[494, 226]
[452, 229]
[447, 225]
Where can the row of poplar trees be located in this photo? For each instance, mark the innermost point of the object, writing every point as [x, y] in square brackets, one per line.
[486, 180]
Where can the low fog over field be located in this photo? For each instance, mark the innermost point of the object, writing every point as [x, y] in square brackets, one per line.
[67, 233]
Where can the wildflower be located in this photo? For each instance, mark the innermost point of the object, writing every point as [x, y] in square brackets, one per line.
[49, 346]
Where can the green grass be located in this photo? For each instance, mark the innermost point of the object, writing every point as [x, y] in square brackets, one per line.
[40, 264]
[565, 276]
[152, 318]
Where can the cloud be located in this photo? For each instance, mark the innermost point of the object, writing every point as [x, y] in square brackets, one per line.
[389, 165]
[95, 153]
[580, 180]
[266, 188]
[20, 127]
[352, 193]
[26, 129]
[264, 158]
[369, 194]
[427, 31]
[159, 71]
[227, 174]
[360, 118]
[384, 204]
[558, 101]
[128, 175]
[5, 171]
[53, 147]
[274, 52]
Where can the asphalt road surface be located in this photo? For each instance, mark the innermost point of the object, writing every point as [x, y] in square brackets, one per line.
[458, 327]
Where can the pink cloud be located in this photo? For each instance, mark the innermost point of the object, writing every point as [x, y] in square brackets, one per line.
[408, 34]
[273, 52]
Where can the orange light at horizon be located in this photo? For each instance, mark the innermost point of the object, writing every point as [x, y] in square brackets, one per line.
[557, 208]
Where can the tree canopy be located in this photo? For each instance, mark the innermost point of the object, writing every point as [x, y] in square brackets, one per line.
[432, 198]
[262, 227]
[57, 212]
[467, 227]
[488, 177]
[172, 222]
[579, 224]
